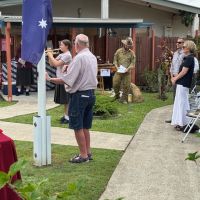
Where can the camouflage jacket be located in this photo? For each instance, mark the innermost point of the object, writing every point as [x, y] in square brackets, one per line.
[125, 58]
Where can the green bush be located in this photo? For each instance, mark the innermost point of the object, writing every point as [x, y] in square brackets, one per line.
[151, 80]
[104, 107]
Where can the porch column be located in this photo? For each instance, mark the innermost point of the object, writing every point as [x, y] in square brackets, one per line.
[73, 34]
[195, 25]
[107, 46]
[104, 9]
[8, 58]
[133, 72]
[105, 15]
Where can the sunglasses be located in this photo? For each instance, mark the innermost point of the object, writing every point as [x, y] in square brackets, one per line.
[179, 42]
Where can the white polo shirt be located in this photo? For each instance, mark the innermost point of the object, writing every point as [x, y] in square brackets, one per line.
[81, 73]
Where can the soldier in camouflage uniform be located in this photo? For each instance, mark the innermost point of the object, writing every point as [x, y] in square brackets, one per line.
[125, 57]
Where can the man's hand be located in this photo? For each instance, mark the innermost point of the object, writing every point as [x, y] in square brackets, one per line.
[48, 78]
[64, 69]
[126, 71]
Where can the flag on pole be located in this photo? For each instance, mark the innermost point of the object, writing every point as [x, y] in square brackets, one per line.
[36, 23]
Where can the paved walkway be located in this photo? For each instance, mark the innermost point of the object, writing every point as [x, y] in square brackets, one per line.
[153, 166]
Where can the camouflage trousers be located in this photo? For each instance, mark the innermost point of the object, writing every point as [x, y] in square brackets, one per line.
[122, 82]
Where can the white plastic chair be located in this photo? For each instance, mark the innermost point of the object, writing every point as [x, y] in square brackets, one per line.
[194, 113]
[194, 117]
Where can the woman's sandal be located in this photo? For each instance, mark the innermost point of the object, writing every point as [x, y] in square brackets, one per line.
[178, 128]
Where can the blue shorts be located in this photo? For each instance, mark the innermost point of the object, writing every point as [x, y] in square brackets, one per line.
[81, 109]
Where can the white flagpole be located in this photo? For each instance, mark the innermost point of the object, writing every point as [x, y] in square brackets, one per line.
[42, 106]
[42, 139]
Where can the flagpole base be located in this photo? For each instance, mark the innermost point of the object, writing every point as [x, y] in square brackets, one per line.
[41, 157]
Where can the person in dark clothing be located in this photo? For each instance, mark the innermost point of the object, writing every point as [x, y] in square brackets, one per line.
[24, 76]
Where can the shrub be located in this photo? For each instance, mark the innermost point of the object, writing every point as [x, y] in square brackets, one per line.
[151, 80]
[104, 107]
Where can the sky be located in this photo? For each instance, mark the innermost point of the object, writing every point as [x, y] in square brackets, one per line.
[195, 3]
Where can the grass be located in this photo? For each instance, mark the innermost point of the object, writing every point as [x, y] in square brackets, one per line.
[94, 174]
[5, 103]
[129, 119]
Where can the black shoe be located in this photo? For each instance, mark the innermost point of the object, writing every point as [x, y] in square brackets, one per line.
[64, 121]
[78, 159]
[90, 156]
[168, 121]
[27, 93]
[62, 118]
[18, 93]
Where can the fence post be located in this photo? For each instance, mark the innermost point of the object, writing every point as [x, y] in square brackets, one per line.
[153, 51]
[133, 71]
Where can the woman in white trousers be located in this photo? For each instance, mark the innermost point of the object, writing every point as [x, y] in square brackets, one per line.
[183, 81]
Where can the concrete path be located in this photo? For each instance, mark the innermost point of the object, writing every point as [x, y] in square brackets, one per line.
[63, 136]
[25, 105]
[154, 167]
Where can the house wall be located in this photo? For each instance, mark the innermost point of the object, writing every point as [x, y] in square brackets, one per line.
[121, 9]
[118, 9]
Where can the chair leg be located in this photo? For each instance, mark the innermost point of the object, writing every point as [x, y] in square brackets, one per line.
[189, 129]
[188, 125]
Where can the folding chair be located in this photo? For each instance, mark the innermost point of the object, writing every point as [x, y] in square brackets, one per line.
[193, 113]
[194, 117]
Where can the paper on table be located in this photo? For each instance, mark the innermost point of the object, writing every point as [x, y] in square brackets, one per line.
[121, 69]
[105, 72]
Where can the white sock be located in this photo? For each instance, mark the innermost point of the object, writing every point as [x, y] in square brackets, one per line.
[66, 117]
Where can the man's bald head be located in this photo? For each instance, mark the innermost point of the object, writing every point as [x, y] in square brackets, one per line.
[82, 40]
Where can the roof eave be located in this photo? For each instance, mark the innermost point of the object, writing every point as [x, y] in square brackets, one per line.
[76, 20]
[178, 6]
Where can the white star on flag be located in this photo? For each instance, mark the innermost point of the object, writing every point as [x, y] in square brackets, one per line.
[43, 23]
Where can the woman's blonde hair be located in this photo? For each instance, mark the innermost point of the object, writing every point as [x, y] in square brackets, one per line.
[190, 45]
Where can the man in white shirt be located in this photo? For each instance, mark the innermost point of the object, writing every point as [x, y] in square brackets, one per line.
[81, 81]
[195, 74]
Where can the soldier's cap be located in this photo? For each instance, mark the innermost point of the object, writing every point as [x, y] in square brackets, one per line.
[128, 41]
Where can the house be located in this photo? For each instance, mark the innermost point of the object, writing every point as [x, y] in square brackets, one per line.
[108, 21]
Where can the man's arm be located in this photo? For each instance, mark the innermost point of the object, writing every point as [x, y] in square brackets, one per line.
[54, 80]
[133, 59]
[115, 60]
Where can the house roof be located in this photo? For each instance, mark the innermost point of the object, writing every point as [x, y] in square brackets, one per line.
[4, 3]
[187, 5]
[193, 3]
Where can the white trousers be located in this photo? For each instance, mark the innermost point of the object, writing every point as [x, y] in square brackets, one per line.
[181, 105]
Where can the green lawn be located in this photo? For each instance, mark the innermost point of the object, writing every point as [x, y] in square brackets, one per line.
[94, 174]
[5, 103]
[126, 123]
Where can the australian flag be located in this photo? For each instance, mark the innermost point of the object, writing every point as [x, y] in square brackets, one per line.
[36, 22]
